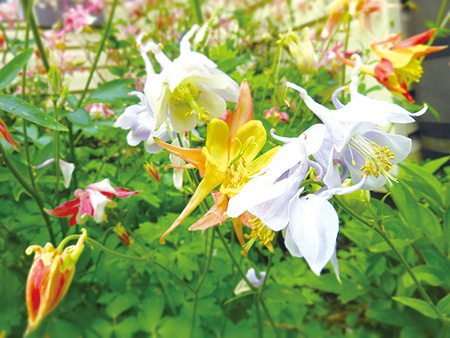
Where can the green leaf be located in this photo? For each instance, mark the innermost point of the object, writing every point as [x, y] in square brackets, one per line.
[444, 305]
[21, 108]
[280, 292]
[80, 117]
[432, 166]
[418, 305]
[115, 92]
[430, 185]
[9, 72]
[429, 274]
[120, 304]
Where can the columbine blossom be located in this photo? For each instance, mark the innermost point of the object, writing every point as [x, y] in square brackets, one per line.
[274, 115]
[354, 143]
[49, 278]
[252, 278]
[66, 169]
[229, 160]
[190, 88]
[90, 202]
[141, 121]
[399, 63]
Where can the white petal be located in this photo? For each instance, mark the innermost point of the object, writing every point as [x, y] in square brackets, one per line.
[104, 186]
[98, 201]
[290, 243]
[67, 170]
[314, 225]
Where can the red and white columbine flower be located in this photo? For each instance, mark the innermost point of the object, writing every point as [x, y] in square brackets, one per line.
[49, 278]
[90, 202]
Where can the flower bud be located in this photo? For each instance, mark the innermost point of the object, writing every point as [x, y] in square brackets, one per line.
[152, 170]
[123, 235]
[49, 278]
[301, 49]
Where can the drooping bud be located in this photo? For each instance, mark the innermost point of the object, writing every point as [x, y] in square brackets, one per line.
[152, 170]
[301, 49]
[123, 235]
[49, 278]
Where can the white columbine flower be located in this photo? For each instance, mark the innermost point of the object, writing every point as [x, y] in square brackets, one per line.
[141, 121]
[252, 278]
[190, 88]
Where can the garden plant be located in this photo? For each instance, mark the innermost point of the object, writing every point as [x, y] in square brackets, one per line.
[228, 169]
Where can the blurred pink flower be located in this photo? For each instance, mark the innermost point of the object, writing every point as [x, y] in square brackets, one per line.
[274, 115]
[9, 12]
[75, 19]
[98, 110]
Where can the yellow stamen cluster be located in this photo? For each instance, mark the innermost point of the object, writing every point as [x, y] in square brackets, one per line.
[237, 176]
[260, 232]
[187, 96]
[377, 159]
[411, 72]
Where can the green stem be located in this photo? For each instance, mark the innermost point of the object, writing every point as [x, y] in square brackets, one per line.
[137, 258]
[24, 85]
[12, 168]
[195, 4]
[56, 150]
[258, 317]
[201, 280]
[379, 229]
[99, 52]
[36, 35]
[274, 67]
[73, 158]
[344, 67]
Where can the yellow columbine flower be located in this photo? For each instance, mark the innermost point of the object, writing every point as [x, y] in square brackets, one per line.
[228, 159]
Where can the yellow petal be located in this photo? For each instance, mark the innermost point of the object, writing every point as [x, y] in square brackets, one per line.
[211, 180]
[249, 140]
[399, 57]
[216, 148]
[215, 215]
[262, 161]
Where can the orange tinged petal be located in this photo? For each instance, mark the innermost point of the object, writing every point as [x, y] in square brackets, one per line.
[417, 39]
[193, 156]
[5, 133]
[243, 112]
[215, 215]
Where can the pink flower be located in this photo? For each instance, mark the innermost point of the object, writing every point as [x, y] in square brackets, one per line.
[98, 110]
[77, 18]
[90, 202]
[274, 115]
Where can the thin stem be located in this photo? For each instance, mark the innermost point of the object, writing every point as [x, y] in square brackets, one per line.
[56, 150]
[258, 317]
[99, 52]
[195, 4]
[24, 85]
[12, 168]
[274, 66]
[266, 311]
[73, 157]
[347, 36]
[201, 280]
[379, 229]
[137, 258]
[36, 35]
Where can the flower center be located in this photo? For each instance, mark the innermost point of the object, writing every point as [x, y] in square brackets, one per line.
[260, 232]
[377, 159]
[187, 96]
[411, 72]
[237, 176]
